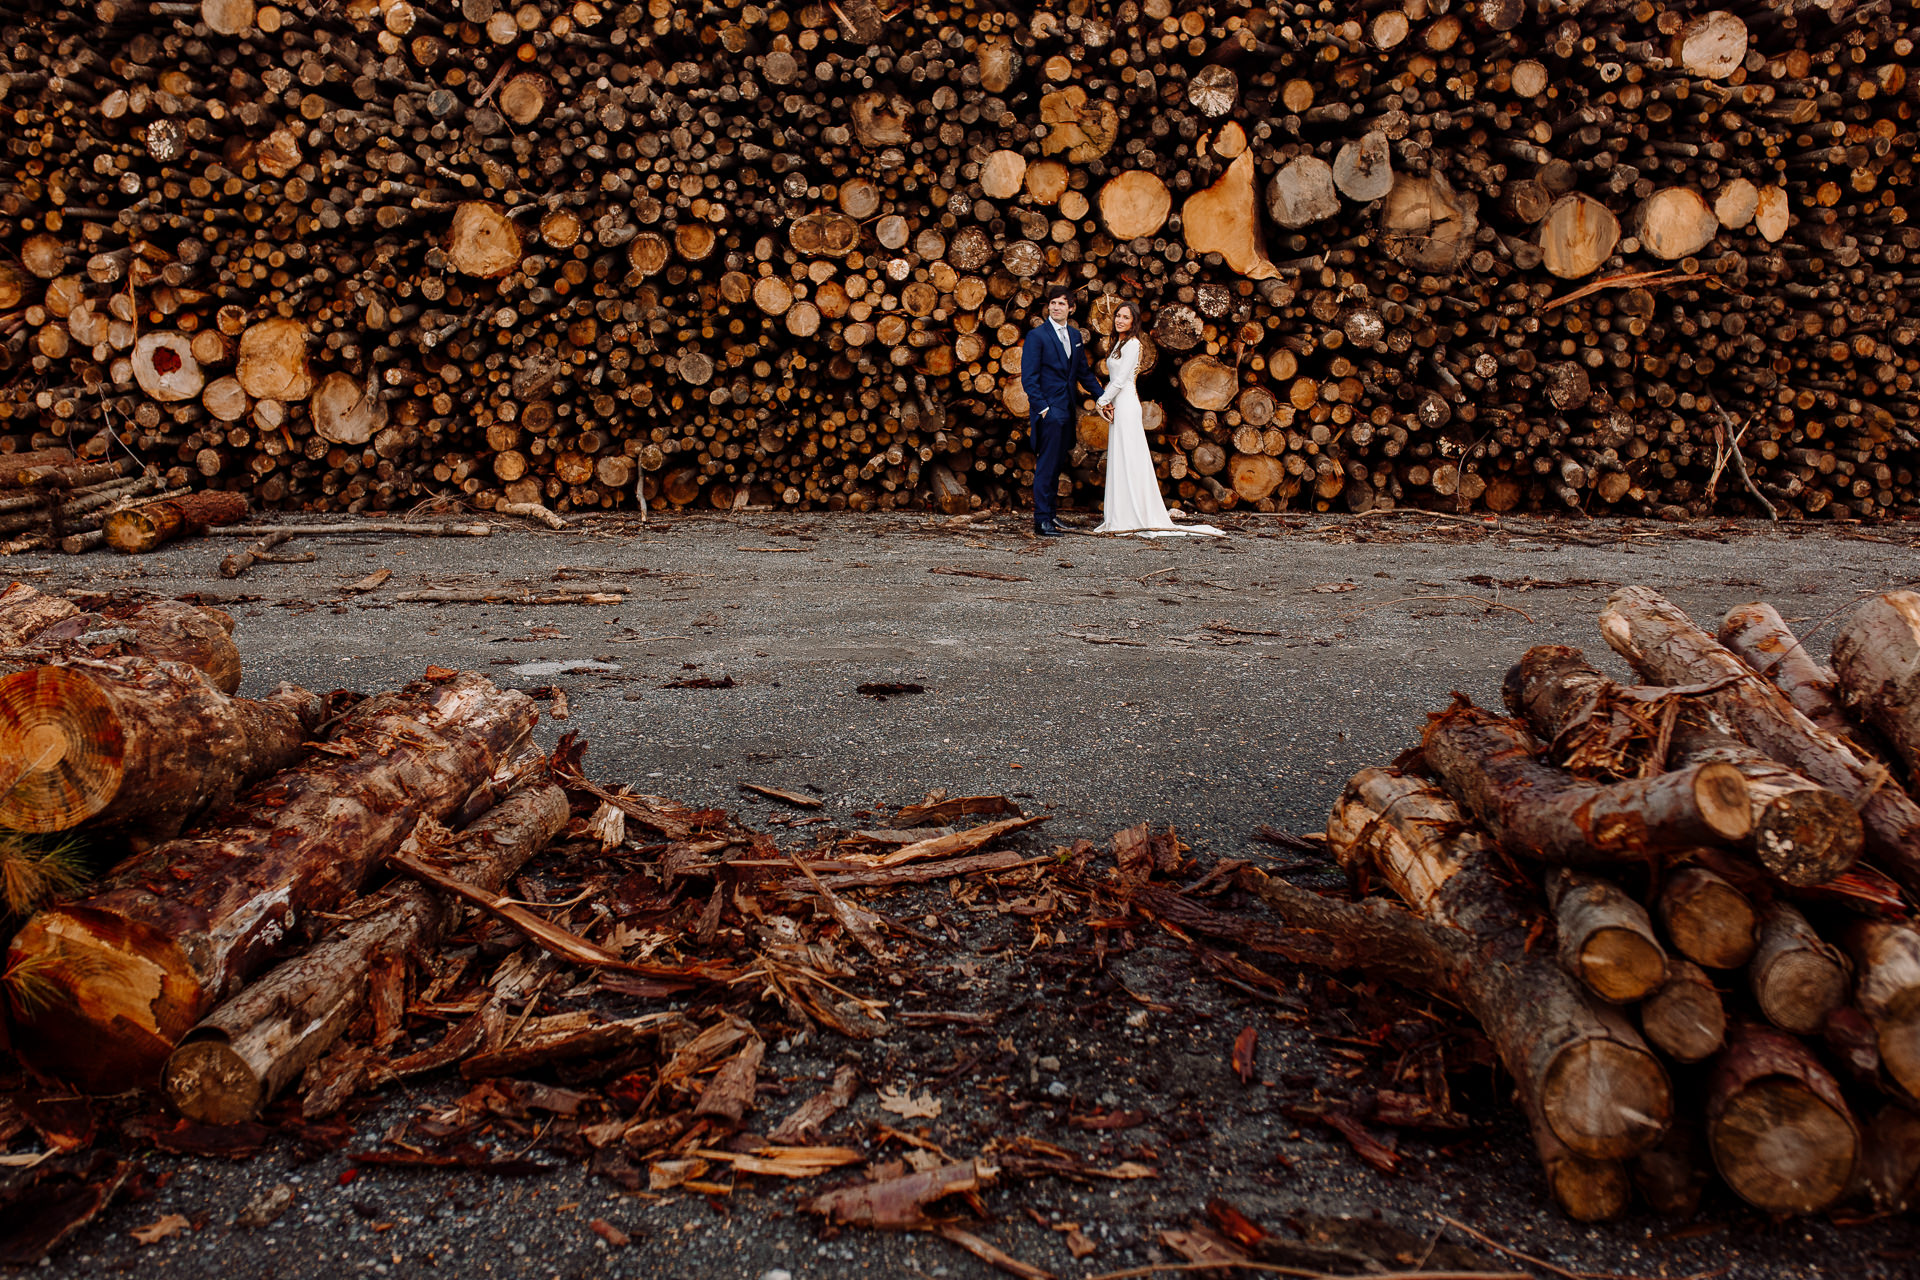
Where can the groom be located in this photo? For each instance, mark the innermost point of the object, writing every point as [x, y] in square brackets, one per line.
[1053, 362]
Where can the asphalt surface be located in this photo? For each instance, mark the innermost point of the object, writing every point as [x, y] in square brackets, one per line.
[1213, 686]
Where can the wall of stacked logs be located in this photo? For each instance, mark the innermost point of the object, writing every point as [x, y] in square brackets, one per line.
[1598, 255]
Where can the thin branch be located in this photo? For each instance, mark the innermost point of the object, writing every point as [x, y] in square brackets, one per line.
[1491, 1243]
[1271, 1269]
[1492, 604]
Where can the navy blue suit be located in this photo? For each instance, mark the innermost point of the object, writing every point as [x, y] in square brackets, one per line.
[1048, 375]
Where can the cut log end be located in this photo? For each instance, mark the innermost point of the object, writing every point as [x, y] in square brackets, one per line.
[1721, 792]
[1783, 1148]
[1685, 1018]
[1589, 1190]
[62, 749]
[1800, 989]
[1621, 965]
[1607, 1099]
[100, 972]
[1709, 921]
[1807, 837]
[212, 1083]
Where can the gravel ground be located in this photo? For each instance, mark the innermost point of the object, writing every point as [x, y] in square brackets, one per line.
[1214, 686]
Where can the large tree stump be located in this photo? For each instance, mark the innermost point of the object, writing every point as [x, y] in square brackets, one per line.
[253, 1046]
[123, 974]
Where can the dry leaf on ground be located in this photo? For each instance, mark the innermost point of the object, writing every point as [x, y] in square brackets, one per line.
[903, 1103]
[154, 1233]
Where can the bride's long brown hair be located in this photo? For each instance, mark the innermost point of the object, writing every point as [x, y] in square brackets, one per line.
[1134, 330]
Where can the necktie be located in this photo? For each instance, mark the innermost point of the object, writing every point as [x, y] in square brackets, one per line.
[1066, 344]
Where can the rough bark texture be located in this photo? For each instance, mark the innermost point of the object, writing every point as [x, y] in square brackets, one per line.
[1877, 655]
[167, 631]
[1779, 1129]
[25, 611]
[41, 627]
[131, 968]
[1601, 1092]
[1762, 637]
[250, 1048]
[1665, 647]
[1887, 959]
[1489, 765]
[136, 743]
[1802, 832]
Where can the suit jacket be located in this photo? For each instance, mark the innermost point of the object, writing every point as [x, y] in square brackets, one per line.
[1048, 375]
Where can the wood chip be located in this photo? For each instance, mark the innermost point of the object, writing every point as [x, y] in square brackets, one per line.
[947, 846]
[979, 573]
[785, 797]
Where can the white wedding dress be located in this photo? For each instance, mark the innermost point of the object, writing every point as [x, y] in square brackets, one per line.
[1133, 504]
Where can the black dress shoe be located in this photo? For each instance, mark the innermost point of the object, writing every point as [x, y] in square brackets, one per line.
[1047, 529]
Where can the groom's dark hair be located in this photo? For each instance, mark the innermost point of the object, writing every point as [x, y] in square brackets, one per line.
[1059, 291]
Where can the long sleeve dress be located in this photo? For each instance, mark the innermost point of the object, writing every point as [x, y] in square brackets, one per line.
[1133, 503]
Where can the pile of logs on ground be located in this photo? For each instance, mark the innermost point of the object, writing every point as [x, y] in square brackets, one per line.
[1681, 911]
[1622, 255]
[229, 917]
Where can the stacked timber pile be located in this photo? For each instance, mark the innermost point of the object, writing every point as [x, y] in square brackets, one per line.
[1681, 911]
[230, 917]
[1628, 255]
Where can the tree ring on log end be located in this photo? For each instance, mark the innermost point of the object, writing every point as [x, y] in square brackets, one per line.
[211, 1083]
[1590, 1190]
[1721, 792]
[1783, 1148]
[1621, 965]
[62, 747]
[1134, 204]
[1808, 837]
[1604, 1099]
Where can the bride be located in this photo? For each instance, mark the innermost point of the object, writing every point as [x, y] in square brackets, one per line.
[1133, 503]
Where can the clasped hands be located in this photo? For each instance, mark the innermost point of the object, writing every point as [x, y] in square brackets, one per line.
[1106, 411]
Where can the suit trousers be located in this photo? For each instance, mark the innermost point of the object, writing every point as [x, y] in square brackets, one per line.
[1050, 443]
